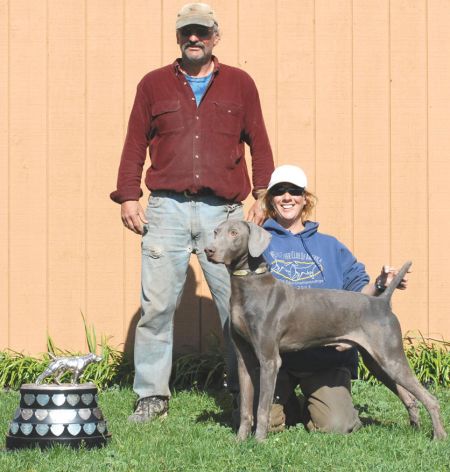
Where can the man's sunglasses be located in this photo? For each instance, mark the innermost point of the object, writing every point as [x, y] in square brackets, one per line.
[201, 32]
[279, 190]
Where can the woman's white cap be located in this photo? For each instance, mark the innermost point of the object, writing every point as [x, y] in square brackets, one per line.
[287, 173]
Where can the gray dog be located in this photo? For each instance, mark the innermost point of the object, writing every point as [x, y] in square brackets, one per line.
[269, 316]
[60, 365]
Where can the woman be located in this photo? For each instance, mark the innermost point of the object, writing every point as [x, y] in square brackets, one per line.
[301, 256]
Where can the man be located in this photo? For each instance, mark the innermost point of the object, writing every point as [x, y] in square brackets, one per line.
[195, 116]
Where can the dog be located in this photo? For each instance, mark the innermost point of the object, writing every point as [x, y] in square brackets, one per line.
[269, 317]
[60, 365]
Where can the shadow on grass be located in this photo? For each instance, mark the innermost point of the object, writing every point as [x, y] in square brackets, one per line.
[366, 420]
[223, 401]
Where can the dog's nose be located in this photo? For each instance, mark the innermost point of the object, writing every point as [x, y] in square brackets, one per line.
[209, 251]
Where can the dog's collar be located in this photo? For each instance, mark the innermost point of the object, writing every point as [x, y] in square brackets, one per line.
[244, 272]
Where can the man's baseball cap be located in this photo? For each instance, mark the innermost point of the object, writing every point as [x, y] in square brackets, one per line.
[290, 174]
[196, 14]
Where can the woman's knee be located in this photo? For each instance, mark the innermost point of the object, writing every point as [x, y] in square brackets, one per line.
[335, 420]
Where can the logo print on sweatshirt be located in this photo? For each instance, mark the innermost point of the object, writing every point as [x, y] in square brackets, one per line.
[296, 271]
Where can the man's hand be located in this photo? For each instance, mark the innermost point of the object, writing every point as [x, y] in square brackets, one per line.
[133, 216]
[256, 213]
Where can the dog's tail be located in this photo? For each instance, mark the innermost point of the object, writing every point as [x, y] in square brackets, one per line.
[387, 294]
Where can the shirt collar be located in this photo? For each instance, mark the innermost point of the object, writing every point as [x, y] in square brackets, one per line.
[177, 68]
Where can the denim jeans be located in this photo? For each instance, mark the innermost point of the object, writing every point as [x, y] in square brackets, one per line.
[178, 226]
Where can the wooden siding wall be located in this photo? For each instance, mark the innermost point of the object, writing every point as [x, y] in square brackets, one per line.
[357, 92]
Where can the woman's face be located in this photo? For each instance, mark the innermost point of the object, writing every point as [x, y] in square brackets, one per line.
[288, 201]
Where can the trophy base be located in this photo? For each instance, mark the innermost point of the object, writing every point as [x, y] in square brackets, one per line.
[58, 414]
[13, 443]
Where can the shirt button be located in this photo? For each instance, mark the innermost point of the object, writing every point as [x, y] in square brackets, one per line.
[196, 156]
[193, 98]
[196, 137]
[197, 117]
[196, 176]
[229, 111]
[184, 83]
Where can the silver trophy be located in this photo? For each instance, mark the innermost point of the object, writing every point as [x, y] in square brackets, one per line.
[59, 413]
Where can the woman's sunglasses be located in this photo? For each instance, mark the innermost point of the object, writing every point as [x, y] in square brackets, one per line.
[279, 190]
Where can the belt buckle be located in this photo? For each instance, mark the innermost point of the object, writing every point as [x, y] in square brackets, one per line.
[189, 194]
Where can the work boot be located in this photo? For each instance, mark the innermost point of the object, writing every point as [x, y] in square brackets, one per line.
[277, 421]
[149, 408]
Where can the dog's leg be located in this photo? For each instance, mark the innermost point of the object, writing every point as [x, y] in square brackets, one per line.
[411, 404]
[247, 366]
[269, 366]
[407, 399]
[388, 351]
[404, 377]
[42, 376]
[75, 376]
[58, 378]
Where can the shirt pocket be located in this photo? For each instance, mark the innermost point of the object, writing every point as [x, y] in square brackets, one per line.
[166, 116]
[227, 118]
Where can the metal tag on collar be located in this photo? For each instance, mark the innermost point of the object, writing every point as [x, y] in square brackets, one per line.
[244, 272]
[241, 272]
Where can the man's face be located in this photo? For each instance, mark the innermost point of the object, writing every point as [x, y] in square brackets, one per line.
[197, 43]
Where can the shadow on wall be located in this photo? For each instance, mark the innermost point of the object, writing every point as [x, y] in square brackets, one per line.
[196, 324]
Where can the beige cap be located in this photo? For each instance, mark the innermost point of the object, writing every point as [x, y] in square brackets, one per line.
[196, 14]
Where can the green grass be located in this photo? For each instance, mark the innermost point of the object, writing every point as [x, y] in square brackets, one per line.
[196, 437]
[429, 359]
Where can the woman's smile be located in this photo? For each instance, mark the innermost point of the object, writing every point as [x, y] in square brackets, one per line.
[289, 208]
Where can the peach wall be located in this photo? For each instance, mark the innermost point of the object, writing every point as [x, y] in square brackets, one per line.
[357, 92]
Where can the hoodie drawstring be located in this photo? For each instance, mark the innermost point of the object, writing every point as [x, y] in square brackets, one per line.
[305, 247]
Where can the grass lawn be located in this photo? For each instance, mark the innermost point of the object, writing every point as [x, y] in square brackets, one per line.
[196, 436]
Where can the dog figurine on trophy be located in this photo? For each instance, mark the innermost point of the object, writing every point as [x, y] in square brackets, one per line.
[60, 365]
[59, 413]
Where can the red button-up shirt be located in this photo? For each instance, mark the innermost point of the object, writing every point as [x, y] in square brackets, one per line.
[195, 148]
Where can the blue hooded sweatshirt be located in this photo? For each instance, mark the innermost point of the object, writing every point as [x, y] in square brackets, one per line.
[310, 259]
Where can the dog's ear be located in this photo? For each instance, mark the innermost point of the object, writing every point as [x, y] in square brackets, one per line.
[258, 239]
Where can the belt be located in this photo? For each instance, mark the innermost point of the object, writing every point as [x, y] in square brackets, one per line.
[201, 193]
[204, 192]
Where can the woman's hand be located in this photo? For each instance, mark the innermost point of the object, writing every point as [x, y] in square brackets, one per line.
[387, 275]
[383, 280]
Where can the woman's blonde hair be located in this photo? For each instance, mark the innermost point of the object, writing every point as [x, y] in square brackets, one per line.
[270, 212]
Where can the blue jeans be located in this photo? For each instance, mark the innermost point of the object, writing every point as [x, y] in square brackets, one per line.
[178, 226]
